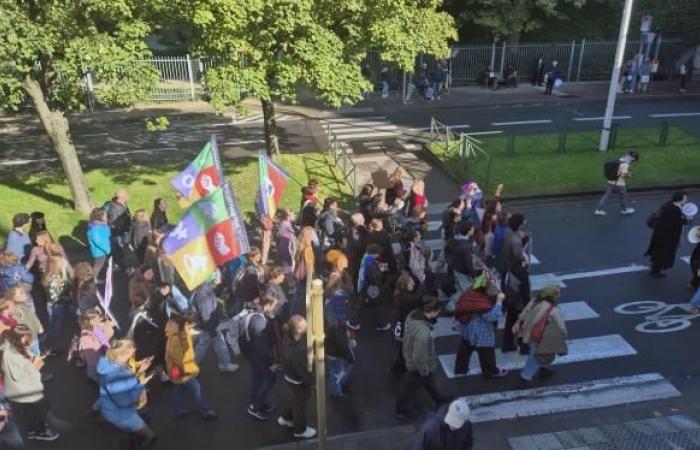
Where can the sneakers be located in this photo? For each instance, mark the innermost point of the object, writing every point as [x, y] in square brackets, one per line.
[228, 368]
[307, 434]
[627, 212]
[385, 327]
[599, 212]
[500, 374]
[260, 415]
[281, 421]
[352, 326]
[47, 435]
[210, 415]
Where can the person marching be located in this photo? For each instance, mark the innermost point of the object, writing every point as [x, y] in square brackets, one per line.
[617, 173]
[667, 224]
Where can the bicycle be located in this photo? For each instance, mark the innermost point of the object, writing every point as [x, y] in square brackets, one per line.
[657, 320]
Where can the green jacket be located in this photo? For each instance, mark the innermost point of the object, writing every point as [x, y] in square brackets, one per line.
[418, 344]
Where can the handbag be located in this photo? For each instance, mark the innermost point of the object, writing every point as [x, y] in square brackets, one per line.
[175, 373]
[538, 330]
[300, 269]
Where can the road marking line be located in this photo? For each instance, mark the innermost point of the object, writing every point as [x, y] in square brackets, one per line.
[258, 141]
[349, 136]
[661, 116]
[350, 119]
[591, 119]
[539, 281]
[521, 122]
[570, 397]
[346, 128]
[601, 273]
[129, 152]
[434, 225]
[19, 162]
[580, 350]
[91, 135]
[686, 259]
[570, 310]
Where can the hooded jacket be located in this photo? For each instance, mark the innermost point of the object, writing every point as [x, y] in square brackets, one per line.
[120, 391]
[179, 352]
[418, 344]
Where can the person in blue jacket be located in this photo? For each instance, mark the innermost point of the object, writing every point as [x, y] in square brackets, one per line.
[99, 236]
[121, 392]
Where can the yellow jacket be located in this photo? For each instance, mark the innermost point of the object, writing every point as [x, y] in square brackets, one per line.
[179, 352]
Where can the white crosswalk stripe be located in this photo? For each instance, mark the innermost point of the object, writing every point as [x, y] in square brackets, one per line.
[258, 118]
[571, 311]
[583, 349]
[349, 129]
[570, 397]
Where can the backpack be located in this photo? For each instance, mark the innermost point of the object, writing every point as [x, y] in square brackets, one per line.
[472, 303]
[611, 170]
[237, 327]
[654, 220]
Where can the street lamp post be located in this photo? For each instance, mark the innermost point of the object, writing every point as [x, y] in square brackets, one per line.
[615, 77]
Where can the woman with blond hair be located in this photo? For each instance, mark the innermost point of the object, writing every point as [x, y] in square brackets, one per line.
[24, 313]
[44, 246]
[121, 392]
[140, 233]
[56, 281]
[304, 263]
[417, 196]
[395, 189]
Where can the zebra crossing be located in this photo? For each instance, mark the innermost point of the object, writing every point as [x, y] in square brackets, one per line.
[258, 118]
[587, 394]
[353, 129]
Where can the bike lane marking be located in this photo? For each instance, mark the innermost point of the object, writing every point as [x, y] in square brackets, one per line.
[655, 316]
[537, 282]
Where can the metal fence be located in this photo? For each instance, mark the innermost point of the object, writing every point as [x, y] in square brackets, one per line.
[338, 150]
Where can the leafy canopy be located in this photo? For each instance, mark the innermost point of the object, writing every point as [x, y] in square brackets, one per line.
[57, 41]
[269, 48]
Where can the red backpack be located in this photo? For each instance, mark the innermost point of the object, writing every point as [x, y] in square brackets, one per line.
[472, 303]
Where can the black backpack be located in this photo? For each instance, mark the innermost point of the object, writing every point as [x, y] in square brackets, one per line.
[611, 170]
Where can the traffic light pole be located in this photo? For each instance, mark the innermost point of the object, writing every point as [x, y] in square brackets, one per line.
[615, 77]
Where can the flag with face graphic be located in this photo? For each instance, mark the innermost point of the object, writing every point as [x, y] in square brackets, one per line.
[273, 180]
[201, 177]
[210, 234]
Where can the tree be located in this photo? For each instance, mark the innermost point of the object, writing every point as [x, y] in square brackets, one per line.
[267, 49]
[674, 18]
[509, 18]
[46, 49]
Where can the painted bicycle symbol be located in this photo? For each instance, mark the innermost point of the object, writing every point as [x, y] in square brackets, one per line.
[658, 319]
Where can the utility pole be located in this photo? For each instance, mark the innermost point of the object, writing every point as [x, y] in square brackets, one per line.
[615, 77]
[319, 360]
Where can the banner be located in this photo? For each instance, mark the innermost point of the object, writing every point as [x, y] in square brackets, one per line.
[201, 177]
[273, 181]
[210, 234]
[106, 300]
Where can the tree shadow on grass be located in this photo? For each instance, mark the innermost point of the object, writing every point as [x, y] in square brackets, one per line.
[40, 188]
[317, 165]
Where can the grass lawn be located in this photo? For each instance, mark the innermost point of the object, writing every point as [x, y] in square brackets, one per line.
[538, 167]
[49, 193]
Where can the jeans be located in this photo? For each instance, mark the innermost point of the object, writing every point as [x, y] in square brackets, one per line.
[97, 266]
[531, 365]
[385, 88]
[609, 189]
[10, 438]
[338, 373]
[411, 383]
[57, 316]
[195, 389]
[463, 281]
[261, 383]
[205, 340]
[695, 301]
[296, 411]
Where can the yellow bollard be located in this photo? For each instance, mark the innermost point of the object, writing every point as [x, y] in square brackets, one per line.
[319, 359]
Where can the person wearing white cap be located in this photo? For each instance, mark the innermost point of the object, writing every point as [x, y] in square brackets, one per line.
[448, 429]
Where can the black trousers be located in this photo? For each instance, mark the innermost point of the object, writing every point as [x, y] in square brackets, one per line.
[412, 382]
[296, 411]
[32, 416]
[487, 358]
[548, 89]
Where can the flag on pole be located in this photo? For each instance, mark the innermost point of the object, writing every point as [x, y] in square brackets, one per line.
[201, 177]
[210, 234]
[273, 181]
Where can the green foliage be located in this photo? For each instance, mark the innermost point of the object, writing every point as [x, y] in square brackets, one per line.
[161, 123]
[269, 48]
[57, 42]
[677, 18]
[510, 18]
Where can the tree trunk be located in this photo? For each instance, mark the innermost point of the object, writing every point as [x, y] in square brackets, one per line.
[271, 144]
[58, 130]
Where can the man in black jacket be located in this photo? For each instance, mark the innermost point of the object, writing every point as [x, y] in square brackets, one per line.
[448, 429]
[258, 347]
[459, 255]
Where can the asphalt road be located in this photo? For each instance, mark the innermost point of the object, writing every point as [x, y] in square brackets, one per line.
[568, 239]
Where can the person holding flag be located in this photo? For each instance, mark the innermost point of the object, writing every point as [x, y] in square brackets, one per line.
[273, 181]
[201, 177]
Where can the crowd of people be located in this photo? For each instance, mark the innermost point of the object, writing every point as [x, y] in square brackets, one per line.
[255, 306]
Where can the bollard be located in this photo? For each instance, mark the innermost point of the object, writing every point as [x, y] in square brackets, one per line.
[510, 145]
[562, 141]
[663, 134]
[319, 360]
